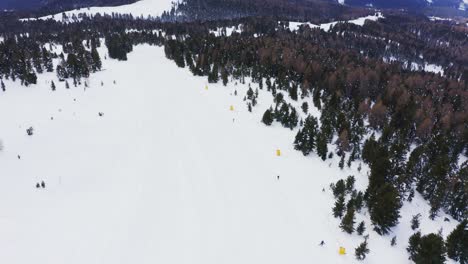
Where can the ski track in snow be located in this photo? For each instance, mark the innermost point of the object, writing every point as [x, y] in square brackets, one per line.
[167, 176]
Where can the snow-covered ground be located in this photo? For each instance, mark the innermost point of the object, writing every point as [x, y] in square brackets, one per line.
[167, 175]
[142, 8]
[327, 26]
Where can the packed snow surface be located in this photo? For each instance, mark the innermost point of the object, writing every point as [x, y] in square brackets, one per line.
[142, 8]
[168, 174]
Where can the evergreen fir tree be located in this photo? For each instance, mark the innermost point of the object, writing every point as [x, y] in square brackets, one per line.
[347, 223]
[305, 107]
[224, 76]
[96, 60]
[415, 221]
[361, 251]
[426, 249]
[384, 206]
[341, 163]
[359, 201]
[322, 146]
[306, 137]
[350, 180]
[250, 93]
[339, 207]
[267, 118]
[457, 243]
[339, 188]
[361, 228]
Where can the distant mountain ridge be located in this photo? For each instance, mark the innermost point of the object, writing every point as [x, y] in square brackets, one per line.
[58, 4]
[409, 4]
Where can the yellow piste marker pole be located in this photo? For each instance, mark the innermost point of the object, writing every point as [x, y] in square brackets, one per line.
[342, 251]
[206, 87]
[278, 152]
[231, 108]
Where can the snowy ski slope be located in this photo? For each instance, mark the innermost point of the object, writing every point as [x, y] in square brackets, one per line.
[167, 175]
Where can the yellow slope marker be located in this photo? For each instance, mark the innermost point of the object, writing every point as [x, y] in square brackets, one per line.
[342, 251]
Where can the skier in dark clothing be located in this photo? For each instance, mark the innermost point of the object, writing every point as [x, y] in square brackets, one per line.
[38, 185]
[43, 184]
[322, 243]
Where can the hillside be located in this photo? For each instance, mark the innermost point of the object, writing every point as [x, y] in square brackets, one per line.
[167, 174]
[255, 139]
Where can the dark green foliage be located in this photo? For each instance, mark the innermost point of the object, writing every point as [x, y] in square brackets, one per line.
[339, 188]
[347, 223]
[341, 163]
[339, 207]
[428, 249]
[358, 201]
[306, 137]
[322, 146]
[384, 205]
[305, 107]
[267, 118]
[350, 180]
[361, 251]
[361, 228]
[96, 60]
[119, 45]
[415, 221]
[457, 243]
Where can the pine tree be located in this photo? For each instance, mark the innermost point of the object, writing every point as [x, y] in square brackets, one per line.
[339, 188]
[457, 243]
[361, 251]
[322, 146]
[341, 163]
[267, 118]
[250, 93]
[96, 60]
[415, 221]
[384, 206]
[293, 92]
[224, 76]
[426, 249]
[361, 228]
[359, 201]
[347, 223]
[305, 138]
[3, 85]
[67, 86]
[339, 207]
[305, 107]
[350, 180]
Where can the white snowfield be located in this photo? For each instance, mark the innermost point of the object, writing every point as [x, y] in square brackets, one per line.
[142, 8]
[327, 26]
[168, 175]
